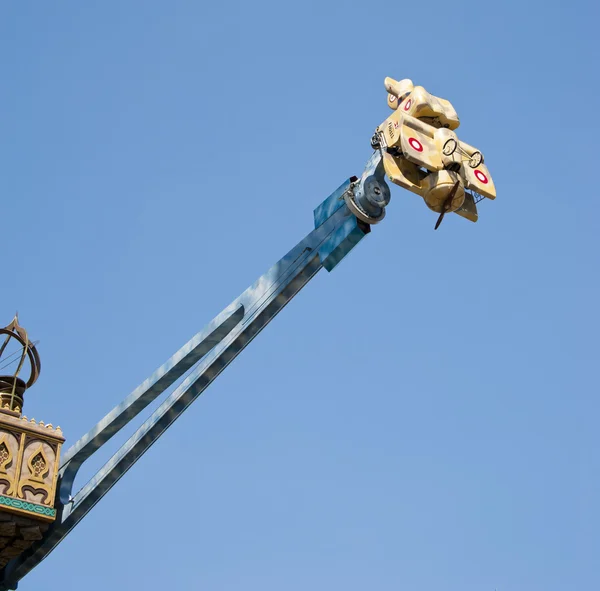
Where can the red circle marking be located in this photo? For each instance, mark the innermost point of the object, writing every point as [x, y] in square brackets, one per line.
[481, 177]
[392, 98]
[408, 104]
[415, 144]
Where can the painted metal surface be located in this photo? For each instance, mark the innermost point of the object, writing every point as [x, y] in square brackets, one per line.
[368, 198]
[341, 241]
[422, 153]
[328, 207]
[205, 356]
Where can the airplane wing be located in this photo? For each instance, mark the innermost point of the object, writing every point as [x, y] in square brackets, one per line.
[479, 180]
[468, 209]
[418, 145]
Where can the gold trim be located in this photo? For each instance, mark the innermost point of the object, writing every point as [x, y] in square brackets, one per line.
[52, 497]
[3, 469]
[19, 466]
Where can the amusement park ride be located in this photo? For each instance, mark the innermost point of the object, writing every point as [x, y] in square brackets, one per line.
[416, 147]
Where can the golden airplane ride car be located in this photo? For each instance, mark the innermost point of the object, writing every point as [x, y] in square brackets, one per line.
[422, 153]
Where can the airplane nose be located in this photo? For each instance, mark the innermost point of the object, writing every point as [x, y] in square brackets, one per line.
[441, 183]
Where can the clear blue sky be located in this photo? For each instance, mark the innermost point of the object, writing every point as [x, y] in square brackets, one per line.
[447, 441]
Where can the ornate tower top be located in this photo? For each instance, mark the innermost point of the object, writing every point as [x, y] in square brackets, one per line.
[29, 450]
[13, 386]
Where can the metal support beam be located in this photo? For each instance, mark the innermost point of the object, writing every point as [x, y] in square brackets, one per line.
[205, 356]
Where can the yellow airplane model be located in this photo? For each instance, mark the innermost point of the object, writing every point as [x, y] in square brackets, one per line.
[422, 153]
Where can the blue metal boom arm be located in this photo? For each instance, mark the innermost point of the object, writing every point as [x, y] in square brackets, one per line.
[341, 221]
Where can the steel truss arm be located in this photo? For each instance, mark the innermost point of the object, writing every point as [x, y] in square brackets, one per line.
[337, 230]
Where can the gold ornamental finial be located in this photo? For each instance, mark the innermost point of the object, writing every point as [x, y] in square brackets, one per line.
[12, 386]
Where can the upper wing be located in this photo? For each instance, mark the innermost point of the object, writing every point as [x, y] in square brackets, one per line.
[418, 144]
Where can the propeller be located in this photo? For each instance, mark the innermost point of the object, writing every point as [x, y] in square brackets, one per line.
[447, 204]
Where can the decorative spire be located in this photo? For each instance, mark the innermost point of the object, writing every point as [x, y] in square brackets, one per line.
[12, 386]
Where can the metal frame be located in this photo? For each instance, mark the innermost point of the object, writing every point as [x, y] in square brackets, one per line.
[205, 356]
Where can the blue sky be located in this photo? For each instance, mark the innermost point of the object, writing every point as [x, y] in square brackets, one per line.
[445, 440]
